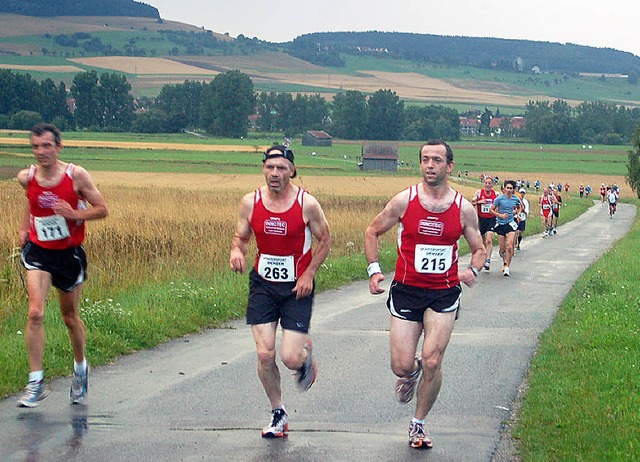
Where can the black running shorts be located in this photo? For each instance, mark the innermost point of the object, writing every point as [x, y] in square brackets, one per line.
[410, 303]
[273, 301]
[68, 267]
[486, 225]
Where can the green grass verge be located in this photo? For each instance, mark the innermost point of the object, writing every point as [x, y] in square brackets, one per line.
[583, 399]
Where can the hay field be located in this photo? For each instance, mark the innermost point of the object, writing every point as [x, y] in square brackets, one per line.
[384, 187]
[142, 66]
[145, 145]
[408, 85]
[61, 69]
[371, 186]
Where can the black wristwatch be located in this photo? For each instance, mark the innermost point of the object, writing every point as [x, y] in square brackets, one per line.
[474, 271]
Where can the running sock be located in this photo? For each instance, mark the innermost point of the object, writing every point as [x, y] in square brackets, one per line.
[36, 376]
[418, 421]
[80, 368]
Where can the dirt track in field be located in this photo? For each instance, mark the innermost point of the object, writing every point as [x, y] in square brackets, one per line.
[144, 145]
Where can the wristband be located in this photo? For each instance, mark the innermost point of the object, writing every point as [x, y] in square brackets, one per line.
[373, 268]
[474, 271]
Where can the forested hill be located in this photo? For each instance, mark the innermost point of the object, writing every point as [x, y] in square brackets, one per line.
[324, 48]
[79, 8]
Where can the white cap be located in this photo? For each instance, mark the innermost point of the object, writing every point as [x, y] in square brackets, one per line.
[522, 190]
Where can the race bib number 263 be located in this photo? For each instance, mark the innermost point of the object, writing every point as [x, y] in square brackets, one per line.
[276, 268]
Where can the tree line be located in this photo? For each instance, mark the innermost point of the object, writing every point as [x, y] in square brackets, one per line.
[222, 107]
[485, 52]
[77, 8]
[228, 106]
[593, 122]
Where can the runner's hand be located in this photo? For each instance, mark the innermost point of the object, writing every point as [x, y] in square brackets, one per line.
[374, 284]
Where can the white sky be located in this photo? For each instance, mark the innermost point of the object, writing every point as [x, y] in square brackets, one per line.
[611, 24]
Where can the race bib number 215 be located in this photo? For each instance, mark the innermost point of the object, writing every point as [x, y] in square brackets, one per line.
[433, 259]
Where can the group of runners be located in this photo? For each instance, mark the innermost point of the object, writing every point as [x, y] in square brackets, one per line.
[609, 195]
[505, 215]
[293, 239]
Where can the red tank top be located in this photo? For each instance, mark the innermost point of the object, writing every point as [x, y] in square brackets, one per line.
[428, 245]
[47, 229]
[545, 204]
[283, 240]
[483, 209]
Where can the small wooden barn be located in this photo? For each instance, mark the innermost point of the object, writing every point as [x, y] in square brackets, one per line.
[316, 138]
[380, 155]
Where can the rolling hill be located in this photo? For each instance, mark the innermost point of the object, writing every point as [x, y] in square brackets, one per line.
[152, 53]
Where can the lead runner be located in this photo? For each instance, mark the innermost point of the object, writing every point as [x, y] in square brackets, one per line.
[284, 218]
[424, 297]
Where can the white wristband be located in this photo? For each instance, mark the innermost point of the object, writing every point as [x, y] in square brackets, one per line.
[373, 268]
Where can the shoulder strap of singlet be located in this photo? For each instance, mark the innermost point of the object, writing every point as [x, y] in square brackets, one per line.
[413, 192]
[32, 172]
[69, 170]
[458, 200]
[300, 195]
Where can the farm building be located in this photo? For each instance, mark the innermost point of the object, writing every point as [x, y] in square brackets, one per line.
[469, 126]
[316, 138]
[380, 155]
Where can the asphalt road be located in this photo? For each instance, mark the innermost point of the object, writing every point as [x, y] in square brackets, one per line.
[199, 398]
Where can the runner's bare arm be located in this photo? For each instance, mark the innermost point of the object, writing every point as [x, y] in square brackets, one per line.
[240, 241]
[471, 233]
[23, 231]
[25, 223]
[474, 199]
[317, 223]
[382, 223]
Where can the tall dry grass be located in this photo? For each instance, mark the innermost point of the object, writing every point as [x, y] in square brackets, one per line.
[165, 234]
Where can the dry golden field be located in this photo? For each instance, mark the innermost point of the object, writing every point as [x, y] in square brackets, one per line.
[141, 66]
[340, 186]
[60, 69]
[24, 141]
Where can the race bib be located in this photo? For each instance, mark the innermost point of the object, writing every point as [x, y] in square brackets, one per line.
[485, 208]
[433, 259]
[513, 225]
[277, 268]
[523, 216]
[51, 228]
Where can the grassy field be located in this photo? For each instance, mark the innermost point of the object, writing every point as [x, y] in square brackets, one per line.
[152, 265]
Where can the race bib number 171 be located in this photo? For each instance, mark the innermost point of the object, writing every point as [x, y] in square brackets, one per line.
[51, 228]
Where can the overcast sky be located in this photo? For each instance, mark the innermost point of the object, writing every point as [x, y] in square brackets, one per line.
[610, 23]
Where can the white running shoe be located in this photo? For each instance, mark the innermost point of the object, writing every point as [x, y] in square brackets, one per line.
[279, 425]
[33, 393]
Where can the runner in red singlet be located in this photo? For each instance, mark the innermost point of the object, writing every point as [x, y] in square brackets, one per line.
[51, 236]
[483, 200]
[425, 293]
[284, 218]
[546, 202]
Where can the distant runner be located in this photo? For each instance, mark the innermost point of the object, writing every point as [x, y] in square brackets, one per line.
[482, 200]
